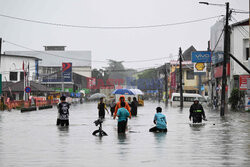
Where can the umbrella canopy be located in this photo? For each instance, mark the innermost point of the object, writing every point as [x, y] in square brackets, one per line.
[137, 91]
[96, 96]
[123, 92]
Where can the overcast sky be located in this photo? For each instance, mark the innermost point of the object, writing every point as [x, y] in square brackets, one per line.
[117, 44]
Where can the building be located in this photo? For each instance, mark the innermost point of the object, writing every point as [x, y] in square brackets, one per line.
[12, 67]
[50, 66]
[239, 48]
[54, 56]
[190, 81]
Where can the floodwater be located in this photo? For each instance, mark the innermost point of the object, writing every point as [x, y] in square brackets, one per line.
[33, 139]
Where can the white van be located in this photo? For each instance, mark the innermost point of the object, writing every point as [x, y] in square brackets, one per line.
[188, 99]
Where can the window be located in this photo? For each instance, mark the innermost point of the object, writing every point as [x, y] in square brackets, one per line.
[245, 49]
[13, 76]
[21, 76]
[247, 53]
[190, 75]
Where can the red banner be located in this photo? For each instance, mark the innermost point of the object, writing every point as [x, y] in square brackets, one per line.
[218, 71]
[173, 80]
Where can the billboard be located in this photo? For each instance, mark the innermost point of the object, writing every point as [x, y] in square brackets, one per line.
[200, 68]
[67, 72]
[201, 57]
[243, 81]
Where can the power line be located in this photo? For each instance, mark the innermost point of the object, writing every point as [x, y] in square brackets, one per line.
[43, 52]
[106, 27]
[99, 61]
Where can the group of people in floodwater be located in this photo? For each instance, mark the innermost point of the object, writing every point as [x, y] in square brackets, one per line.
[124, 110]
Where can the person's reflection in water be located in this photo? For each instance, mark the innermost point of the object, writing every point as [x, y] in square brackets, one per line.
[123, 149]
[63, 130]
[160, 137]
[122, 138]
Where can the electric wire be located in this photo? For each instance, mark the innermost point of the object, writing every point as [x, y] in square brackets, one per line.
[107, 27]
[87, 60]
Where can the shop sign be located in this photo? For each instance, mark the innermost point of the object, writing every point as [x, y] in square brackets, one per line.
[243, 81]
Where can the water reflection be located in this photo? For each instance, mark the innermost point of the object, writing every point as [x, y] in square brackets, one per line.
[63, 130]
[160, 137]
[122, 138]
[27, 140]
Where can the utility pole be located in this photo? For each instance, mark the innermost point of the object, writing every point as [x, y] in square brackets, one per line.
[181, 91]
[226, 51]
[166, 85]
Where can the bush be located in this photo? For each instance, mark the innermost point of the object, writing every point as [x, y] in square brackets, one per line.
[235, 98]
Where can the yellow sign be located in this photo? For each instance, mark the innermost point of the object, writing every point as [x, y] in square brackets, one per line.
[200, 66]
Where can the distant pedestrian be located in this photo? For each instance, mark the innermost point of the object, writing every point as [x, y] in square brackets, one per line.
[112, 107]
[122, 115]
[129, 101]
[101, 108]
[160, 121]
[197, 112]
[63, 112]
[134, 106]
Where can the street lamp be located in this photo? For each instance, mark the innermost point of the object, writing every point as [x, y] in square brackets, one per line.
[207, 3]
[226, 54]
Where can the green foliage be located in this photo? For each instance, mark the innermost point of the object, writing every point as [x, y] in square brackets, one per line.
[150, 73]
[235, 98]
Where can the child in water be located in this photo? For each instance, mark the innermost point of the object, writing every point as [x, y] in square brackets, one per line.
[63, 111]
[160, 121]
[123, 115]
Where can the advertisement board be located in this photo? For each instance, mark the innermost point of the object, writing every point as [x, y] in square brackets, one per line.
[67, 72]
[200, 68]
[201, 57]
[243, 82]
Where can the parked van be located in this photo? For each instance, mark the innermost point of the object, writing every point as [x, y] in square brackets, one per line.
[188, 99]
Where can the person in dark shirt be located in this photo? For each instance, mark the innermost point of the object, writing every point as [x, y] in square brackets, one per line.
[63, 111]
[133, 106]
[197, 112]
[101, 109]
[112, 107]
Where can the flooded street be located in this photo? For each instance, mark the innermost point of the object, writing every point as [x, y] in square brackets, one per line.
[33, 139]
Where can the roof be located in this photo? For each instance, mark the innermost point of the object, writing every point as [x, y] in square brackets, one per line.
[18, 87]
[13, 55]
[56, 58]
[241, 23]
[187, 53]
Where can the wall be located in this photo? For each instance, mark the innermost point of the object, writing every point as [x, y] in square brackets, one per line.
[84, 71]
[15, 64]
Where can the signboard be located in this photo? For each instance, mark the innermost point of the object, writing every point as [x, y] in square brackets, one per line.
[200, 68]
[201, 57]
[27, 89]
[218, 71]
[243, 82]
[173, 80]
[174, 62]
[67, 72]
[217, 57]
